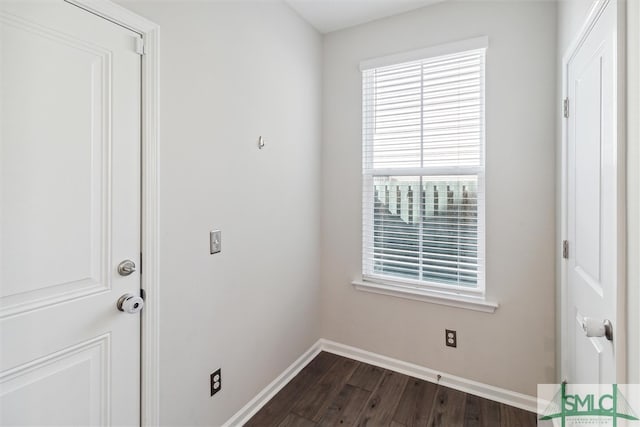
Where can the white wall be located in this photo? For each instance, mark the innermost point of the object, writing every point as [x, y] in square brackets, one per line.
[513, 348]
[572, 14]
[231, 71]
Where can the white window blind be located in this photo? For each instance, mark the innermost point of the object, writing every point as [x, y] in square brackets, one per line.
[423, 172]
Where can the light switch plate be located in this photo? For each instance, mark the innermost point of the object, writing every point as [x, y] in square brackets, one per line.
[215, 241]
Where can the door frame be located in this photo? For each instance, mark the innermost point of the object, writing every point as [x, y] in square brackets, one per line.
[150, 280]
[633, 192]
[620, 323]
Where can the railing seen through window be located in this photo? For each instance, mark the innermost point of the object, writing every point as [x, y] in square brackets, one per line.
[426, 228]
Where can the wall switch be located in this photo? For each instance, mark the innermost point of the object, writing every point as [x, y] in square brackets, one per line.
[451, 339]
[215, 241]
[216, 381]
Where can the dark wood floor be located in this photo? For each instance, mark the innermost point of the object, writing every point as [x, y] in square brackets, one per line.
[333, 390]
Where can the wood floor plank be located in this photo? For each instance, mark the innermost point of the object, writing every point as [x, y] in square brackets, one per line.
[481, 412]
[448, 408]
[313, 404]
[382, 404]
[416, 403]
[366, 377]
[335, 391]
[515, 417]
[275, 411]
[346, 407]
[293, 420]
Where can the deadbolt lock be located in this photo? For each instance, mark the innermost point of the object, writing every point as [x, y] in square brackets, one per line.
[126, 267]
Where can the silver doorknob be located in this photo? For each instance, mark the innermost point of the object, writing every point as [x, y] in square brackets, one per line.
[130, 303]
[598, 328]
[126, 267]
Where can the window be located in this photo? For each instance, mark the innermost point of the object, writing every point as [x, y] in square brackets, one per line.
[423, 169]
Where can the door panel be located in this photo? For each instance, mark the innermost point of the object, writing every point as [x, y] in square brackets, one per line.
[60, 208]
[83, 372]
[69, 213]
[592, 203]
[588, 114]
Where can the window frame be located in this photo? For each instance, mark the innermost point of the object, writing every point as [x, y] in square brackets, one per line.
[381, 283]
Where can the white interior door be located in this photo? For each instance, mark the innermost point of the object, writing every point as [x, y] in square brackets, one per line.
[593, 198]
[69, 214]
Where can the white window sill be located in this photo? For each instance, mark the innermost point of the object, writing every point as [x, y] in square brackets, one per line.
[435, 297]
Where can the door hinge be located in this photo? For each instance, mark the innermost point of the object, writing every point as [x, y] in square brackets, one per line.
[565, 108]
[140, 48]
[565, 249]
[141, 263]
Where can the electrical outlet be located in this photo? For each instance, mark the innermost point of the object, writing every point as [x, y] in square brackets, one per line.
[451, 338]
[216, 382]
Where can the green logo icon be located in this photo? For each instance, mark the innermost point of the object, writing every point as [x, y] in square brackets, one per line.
[589, 405]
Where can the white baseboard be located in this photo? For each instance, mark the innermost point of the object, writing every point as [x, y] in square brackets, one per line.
[511, 398]
[255, 404]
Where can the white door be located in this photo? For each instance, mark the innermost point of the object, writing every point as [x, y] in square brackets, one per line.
[69, 214]
[593, 200]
